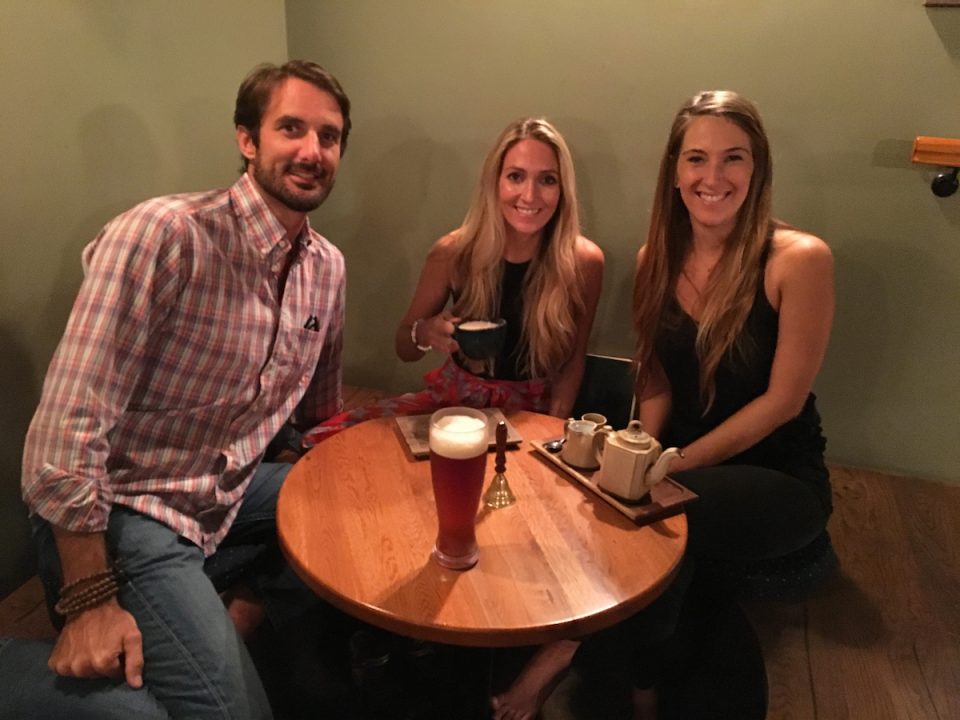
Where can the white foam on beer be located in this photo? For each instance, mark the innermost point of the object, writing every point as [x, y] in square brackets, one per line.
[459, 436]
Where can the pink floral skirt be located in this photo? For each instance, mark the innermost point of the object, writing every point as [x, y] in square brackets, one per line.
[448, 385]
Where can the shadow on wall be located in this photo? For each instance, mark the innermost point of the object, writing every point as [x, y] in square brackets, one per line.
[604, 204]
[213, 141]
[946, 21]
[868, 363]
[121, 165]
[411, 192]
[119, 169]
[950, 207]
[17, 560]
[856, 279]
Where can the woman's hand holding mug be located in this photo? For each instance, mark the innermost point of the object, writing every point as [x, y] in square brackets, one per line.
[437, 332]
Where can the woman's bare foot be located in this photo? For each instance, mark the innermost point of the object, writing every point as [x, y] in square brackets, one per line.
[644, 704]
[523, 699]
[244, 609]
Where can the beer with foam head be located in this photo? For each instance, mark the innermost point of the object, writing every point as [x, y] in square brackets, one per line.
[458, 461]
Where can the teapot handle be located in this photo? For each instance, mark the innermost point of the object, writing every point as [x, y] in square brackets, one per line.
[600, 441]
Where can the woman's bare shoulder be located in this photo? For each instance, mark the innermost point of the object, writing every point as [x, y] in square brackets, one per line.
[588, 251]
[641, 255]
[447, 243]
[798, 257]
[444, 248]
[793, 245]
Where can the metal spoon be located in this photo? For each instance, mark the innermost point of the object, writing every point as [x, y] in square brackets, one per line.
[554, 446]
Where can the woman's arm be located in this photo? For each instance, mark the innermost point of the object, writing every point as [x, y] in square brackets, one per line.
[435, 326]
[799, 282]
[565, 387]
[655, 399]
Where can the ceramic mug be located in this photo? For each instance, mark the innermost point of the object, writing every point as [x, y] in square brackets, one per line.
[480, 339]
[597, 418]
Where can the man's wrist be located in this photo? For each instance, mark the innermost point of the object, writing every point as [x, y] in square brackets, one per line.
[89, 592]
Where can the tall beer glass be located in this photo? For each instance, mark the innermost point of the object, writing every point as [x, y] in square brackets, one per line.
[458, 459]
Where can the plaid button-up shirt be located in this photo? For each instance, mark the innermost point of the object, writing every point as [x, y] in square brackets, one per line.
[179, 363]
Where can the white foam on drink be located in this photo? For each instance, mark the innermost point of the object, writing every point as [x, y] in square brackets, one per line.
[474, 325]
[459, 437]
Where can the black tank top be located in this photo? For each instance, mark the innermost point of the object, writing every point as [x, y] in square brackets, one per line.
[511, 362]
[796, 447]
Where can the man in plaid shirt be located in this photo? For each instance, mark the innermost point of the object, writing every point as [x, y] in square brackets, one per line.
[205, 323]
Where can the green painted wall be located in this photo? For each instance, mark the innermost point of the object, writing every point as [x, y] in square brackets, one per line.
[844, 86]
[105, 103]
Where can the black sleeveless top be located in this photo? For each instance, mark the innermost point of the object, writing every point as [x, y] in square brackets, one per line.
[510, 363]
[795, 448]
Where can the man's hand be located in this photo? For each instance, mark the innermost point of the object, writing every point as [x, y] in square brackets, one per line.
[103, 641]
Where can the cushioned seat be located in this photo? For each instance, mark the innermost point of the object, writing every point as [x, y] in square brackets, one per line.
[607, 387]
[790, 577]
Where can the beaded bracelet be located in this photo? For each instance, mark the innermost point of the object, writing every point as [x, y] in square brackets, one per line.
[71, 606]
[89, 592]
[413, 337]
[69, 587]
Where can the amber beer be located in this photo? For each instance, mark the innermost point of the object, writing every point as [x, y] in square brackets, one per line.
[458, 461]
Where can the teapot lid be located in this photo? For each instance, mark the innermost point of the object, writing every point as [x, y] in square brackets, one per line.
[635, 435]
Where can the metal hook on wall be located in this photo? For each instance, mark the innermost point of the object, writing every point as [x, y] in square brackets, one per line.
[945, 183]
[943, 152]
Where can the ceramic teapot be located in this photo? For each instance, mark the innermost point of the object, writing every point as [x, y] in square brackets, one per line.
[631, 461]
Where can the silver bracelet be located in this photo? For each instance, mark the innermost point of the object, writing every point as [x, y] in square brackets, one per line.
[413, 338]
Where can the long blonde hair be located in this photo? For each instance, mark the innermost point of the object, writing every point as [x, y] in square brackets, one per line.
[552, 293]
[733, 283]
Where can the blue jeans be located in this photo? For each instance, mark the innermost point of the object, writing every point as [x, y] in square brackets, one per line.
[195, 663]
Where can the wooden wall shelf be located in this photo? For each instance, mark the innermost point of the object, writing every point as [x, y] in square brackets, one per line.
[936, 151]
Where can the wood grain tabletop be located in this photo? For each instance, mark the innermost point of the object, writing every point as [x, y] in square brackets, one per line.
[357, 521]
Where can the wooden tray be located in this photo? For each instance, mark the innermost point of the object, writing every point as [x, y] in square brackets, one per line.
[415, 430]
[664, 500]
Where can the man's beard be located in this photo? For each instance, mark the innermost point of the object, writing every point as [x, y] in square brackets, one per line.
[273, 184]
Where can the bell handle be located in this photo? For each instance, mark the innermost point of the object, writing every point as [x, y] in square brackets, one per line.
[501, 461]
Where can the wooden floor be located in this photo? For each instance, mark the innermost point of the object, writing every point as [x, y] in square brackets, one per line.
[881, 641]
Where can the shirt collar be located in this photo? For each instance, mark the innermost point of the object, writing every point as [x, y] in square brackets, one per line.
[264, 230]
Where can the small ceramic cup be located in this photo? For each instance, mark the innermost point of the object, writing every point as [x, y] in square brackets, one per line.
[597, 418]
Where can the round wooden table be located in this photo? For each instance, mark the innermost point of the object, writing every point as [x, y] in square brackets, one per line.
[357, 521]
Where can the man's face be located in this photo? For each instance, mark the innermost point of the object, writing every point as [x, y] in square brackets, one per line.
[295, 161]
